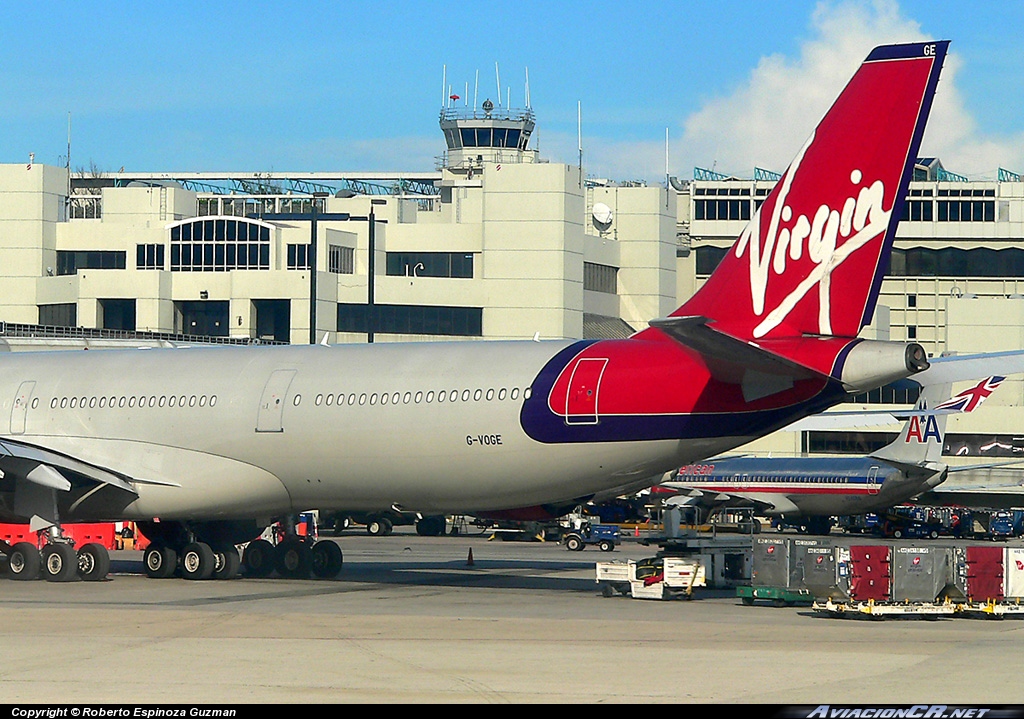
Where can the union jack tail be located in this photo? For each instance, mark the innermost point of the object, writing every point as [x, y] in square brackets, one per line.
[923, 435]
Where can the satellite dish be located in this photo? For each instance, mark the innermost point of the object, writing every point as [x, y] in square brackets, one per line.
[602, 214]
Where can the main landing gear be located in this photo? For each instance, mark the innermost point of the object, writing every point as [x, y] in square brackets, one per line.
[209, 551]
[57, 561]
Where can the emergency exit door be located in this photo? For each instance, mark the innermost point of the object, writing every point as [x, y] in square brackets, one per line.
[584, 387]
[271, 412]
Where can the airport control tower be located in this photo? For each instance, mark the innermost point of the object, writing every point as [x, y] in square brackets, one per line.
[490, 134]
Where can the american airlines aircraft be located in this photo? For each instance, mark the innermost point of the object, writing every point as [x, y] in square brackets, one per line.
[206, 446]
[818, 488]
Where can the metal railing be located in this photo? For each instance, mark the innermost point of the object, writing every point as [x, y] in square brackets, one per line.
[16, 329]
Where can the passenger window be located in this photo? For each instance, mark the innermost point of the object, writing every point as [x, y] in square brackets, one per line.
[131, 401]
[319, 400]
[441, 396]
[453, 395]
[419, 397]
[82, 401]
[181, 401]
[362, 398]
[430, 396]
[74, 402]
[465, 395]
[172, 400]
[63, 402]
[152, 401]
[383, 398]
[477, 395]
[53, 403]
[407, 398]
[527, 392]
[490, 395]
[501, 393]
[352, 399]
[202, 400]
[121, 401]
[192, 401]
[515, 393]
[213, 400]
[395, 397]
[297, 400]
[329, 400]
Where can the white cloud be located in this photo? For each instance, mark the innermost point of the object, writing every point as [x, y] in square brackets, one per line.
[765, 120]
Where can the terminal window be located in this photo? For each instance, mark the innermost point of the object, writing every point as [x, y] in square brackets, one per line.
[412, 319]
[430, 264]
[149, 257]
[219, 244]
[70, 262]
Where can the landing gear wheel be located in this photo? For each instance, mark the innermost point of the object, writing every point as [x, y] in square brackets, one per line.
[197, 561]
[60, 563]
[326, 560]
[93, 562]
[574, 543]
[606, 545]
[23, 561]
[159, 561]
[379, 527]
[228, 563]
[292, 559]
[258, 558]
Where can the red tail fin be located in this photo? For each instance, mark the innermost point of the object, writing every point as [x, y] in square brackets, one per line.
[812, 259]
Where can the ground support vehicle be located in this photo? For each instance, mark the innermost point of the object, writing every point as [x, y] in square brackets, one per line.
[604, 536]
[777, 596]
[881, 610]
[655, 578]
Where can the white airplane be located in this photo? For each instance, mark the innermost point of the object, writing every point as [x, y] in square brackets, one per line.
[204, 447]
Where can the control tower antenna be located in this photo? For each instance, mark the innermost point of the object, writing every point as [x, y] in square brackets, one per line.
[528, 87]
[497, 78]
[444, 85]
[476, 88]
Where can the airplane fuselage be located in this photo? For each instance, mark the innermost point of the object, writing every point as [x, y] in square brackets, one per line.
[224, 432]
[808, 486]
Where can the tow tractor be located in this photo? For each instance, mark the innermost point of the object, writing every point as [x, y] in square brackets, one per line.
[582, 532]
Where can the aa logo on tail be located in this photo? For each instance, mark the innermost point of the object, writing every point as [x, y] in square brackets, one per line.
[920, 434]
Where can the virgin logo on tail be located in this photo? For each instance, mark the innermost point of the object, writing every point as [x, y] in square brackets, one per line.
[862, 218]
[812, 259]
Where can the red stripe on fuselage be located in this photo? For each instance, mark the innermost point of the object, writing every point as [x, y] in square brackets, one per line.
[659, 376]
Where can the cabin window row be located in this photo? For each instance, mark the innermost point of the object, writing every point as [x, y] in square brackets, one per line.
[122, 401]
[418, 397]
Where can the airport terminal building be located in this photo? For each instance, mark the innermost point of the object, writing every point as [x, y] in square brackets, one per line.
[492, 243]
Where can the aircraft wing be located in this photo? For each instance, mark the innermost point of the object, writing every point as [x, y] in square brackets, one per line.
[691, 496]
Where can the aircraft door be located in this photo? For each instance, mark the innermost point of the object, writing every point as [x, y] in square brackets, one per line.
[20, 409]
[581, 401]
[271, 410]
[873, 480]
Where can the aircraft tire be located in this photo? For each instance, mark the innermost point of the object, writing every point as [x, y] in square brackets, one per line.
[93, 562]
[258, 558]
[326, 560]
[292, 559]
[197, 561]
[159, 561]
[60, 563]
[228, 562]
[23, 561]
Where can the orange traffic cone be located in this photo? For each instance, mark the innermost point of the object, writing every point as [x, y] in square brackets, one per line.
[469, 559]
[636, 533]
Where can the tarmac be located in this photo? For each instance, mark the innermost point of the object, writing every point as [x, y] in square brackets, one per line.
[466, 620]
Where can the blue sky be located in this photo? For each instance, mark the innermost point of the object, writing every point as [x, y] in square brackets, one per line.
[357, 86]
